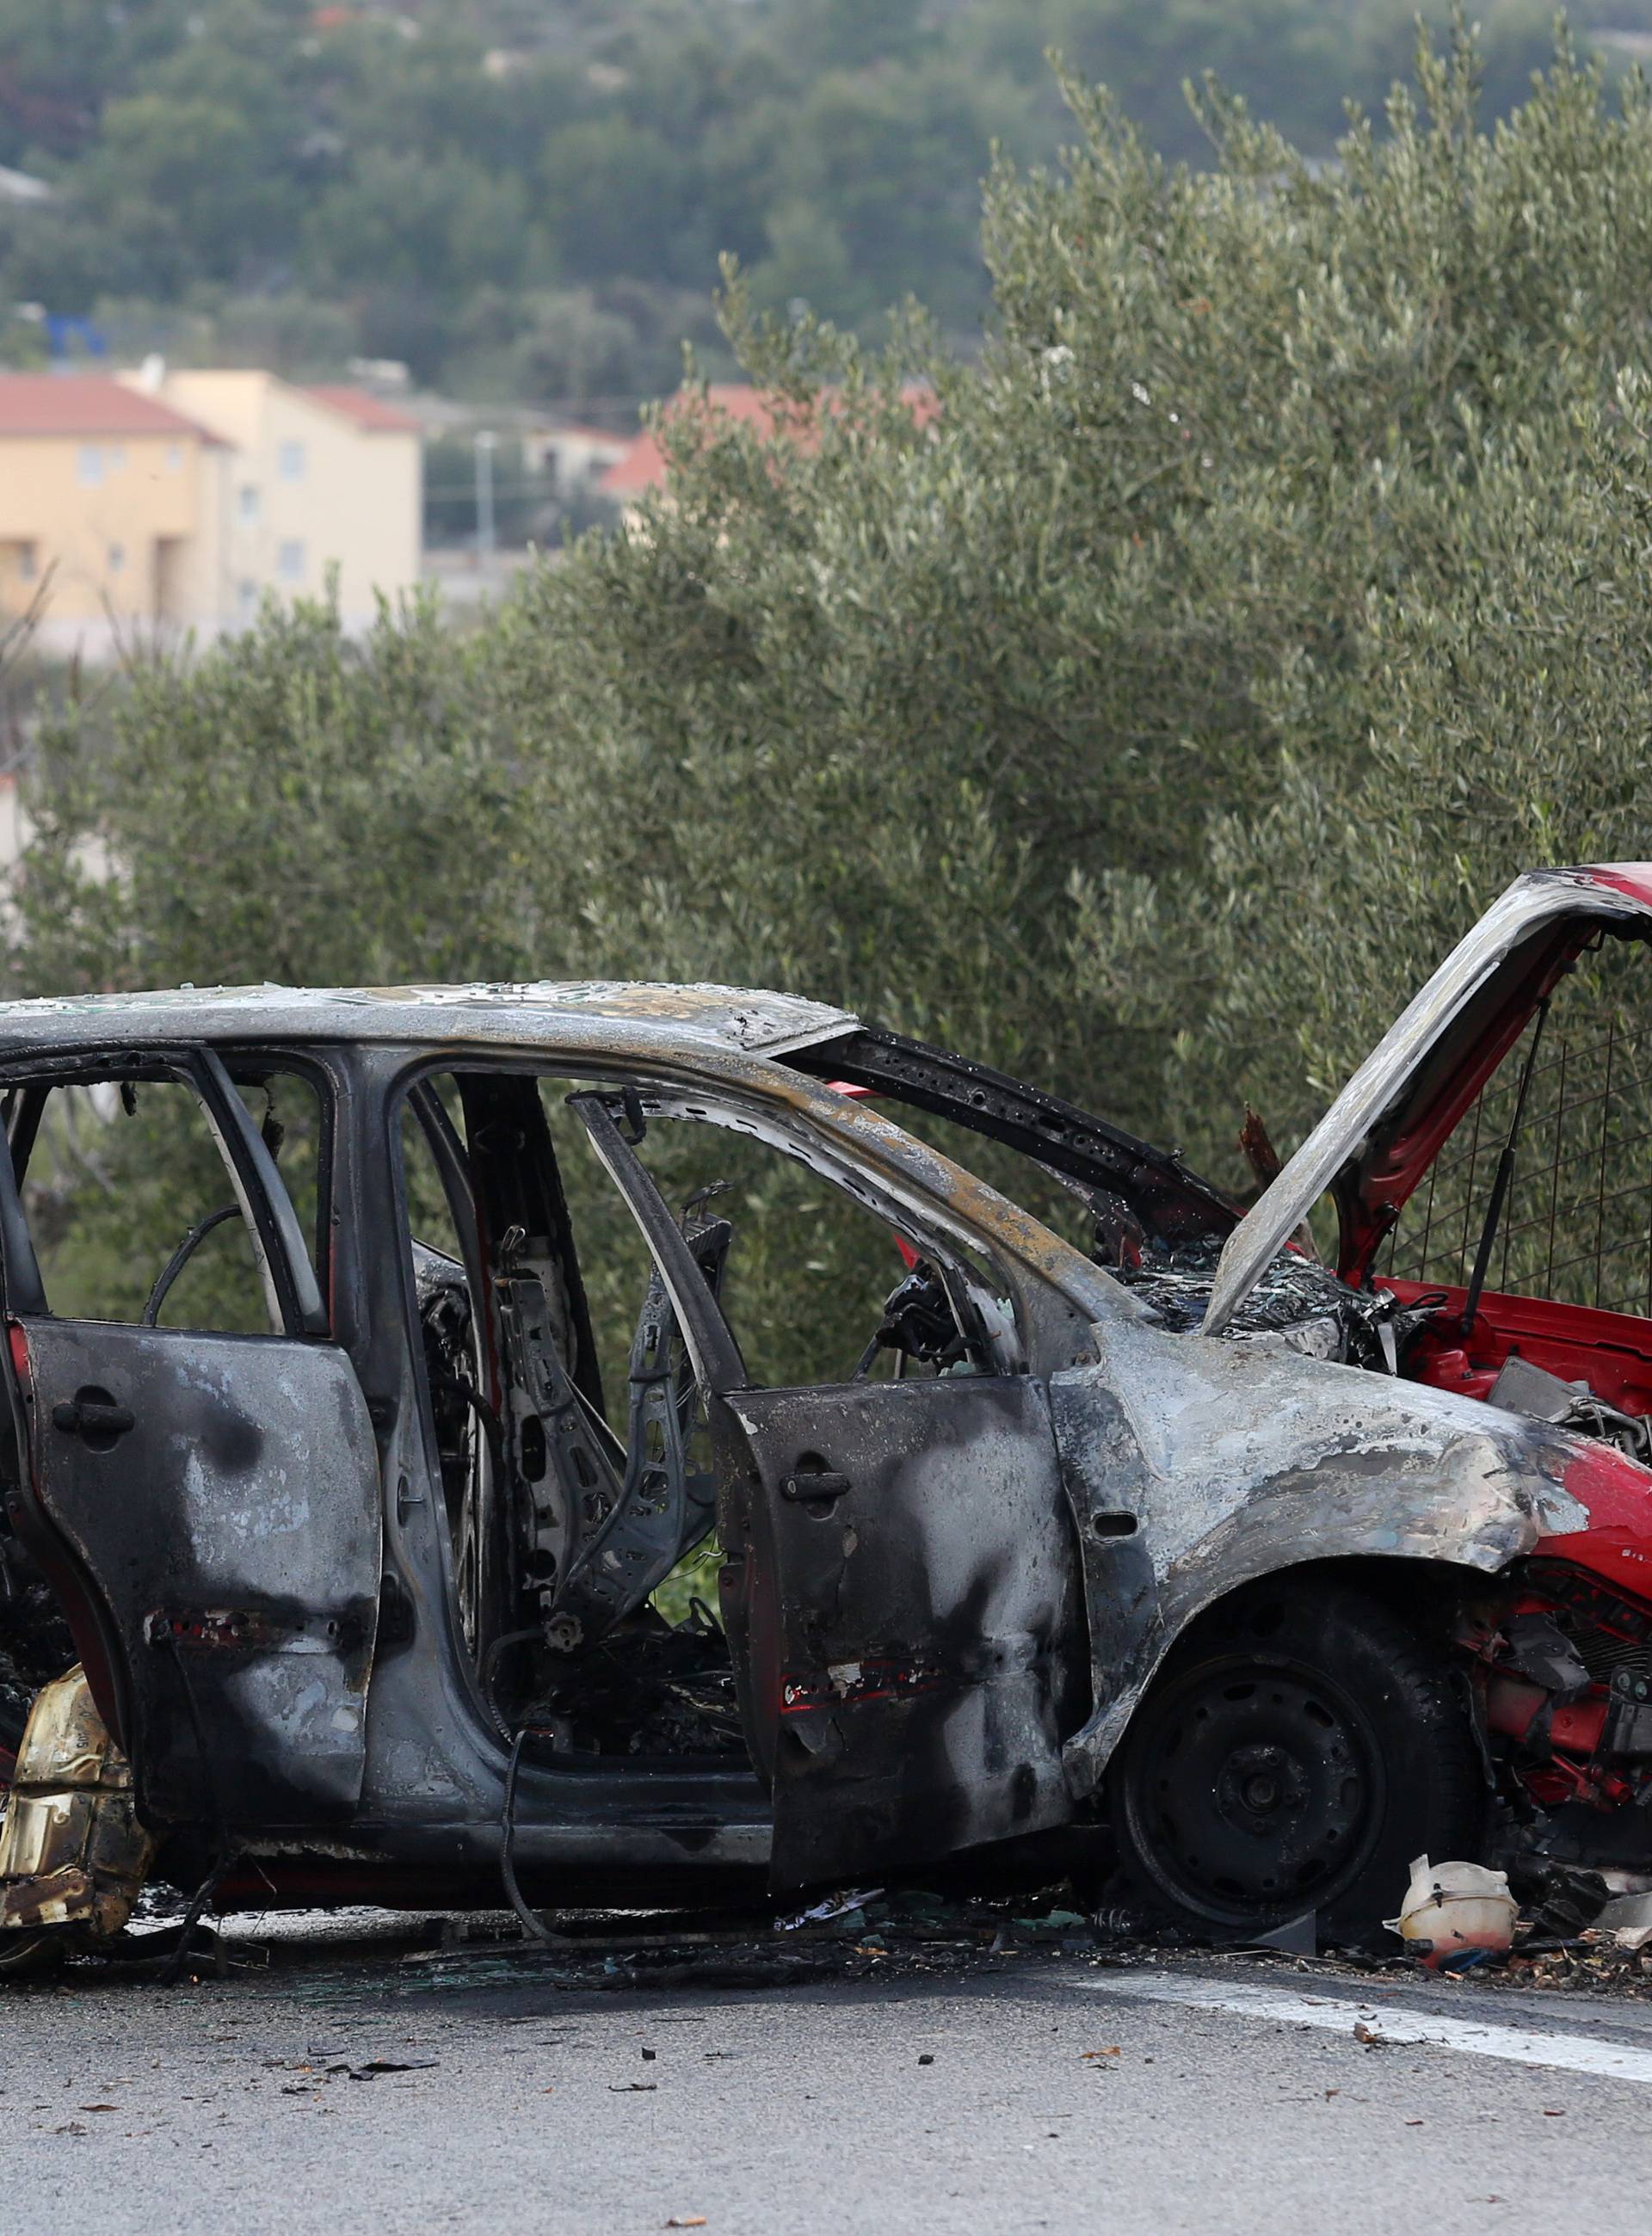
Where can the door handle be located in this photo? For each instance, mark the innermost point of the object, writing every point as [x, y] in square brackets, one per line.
[823, 1485]
[95, 1421]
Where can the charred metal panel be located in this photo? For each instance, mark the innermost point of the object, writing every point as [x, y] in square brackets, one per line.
[221, 1495]
[1161, 1190]
[512, 1168]
[1198, 1466]
[746, 1018]
[909, 1591]
[663, 1506]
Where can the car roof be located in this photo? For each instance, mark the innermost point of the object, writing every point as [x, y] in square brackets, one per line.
[620, 1012]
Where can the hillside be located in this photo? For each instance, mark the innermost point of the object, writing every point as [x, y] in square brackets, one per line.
[526, 199]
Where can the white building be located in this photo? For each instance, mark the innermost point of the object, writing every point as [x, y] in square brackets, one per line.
[314, 483]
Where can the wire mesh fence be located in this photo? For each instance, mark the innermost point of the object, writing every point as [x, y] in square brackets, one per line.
[1577, 1226]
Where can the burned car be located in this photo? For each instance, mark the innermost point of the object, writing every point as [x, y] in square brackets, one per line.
[362, 1417]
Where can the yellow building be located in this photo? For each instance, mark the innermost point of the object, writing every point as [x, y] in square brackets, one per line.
[102, 495]
[318, 479]
[157, 503]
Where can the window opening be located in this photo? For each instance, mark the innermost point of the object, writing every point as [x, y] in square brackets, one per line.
[121, 1175]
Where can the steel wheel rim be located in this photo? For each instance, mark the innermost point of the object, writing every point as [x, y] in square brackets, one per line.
[1255, 1789]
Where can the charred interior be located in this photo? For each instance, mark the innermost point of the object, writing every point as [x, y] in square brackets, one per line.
[1557, 1663]
[570, 1430]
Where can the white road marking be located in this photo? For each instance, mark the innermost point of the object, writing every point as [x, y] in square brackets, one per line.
[1566, 2053]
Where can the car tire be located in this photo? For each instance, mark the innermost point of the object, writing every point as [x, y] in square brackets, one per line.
[1297, 1749]
[26, 1955]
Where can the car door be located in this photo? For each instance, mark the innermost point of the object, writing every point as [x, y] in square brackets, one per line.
[900, 1588]
[206, 1504]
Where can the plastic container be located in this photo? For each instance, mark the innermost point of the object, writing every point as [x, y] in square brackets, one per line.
[1455, 1914]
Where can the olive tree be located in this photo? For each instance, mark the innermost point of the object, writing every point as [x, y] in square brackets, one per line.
[1142, 704]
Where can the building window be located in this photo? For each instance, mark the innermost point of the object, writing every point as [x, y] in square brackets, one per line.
[249, 507]
[290, 461]
[247, 600]
[175, 457]
[289, 560]
[88, 466]
[28, 567]
[115, 458]
[117, 557]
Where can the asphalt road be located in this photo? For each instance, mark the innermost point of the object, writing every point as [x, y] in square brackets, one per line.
[1026, 2093]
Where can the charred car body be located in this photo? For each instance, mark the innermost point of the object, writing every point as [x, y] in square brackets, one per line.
[1262, 1573]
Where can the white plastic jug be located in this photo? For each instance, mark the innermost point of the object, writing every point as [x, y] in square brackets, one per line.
[1456, 1913]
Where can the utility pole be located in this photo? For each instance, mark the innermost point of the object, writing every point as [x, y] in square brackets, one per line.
[486, 445]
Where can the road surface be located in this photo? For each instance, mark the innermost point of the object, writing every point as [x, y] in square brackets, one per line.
[1022, 2093]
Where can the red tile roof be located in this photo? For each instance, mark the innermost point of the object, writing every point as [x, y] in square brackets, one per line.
[643, 466]
[371, 413]
[86, 404]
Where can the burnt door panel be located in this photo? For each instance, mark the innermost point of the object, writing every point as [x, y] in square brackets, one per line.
[902, 1604]
[221, 1495]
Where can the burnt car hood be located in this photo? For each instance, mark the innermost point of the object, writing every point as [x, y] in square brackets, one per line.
[1379, 1136]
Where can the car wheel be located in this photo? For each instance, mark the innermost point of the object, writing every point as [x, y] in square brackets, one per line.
[1297, 1749]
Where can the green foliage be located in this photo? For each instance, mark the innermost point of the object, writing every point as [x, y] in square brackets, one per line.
[422, 173]
[291, 756]
[1443, 534]
[1148, 718]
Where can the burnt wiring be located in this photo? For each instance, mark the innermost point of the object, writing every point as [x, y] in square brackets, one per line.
[533, 1924]
[1296, 1304]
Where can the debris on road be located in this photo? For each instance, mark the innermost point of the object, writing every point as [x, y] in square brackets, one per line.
[73, 1855]
[1629, 1920]
[1562, 1901]
[840, 1905]
[1455, 1914]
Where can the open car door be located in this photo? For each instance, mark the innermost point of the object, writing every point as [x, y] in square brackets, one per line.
[206, 1506]
[900, 1588]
